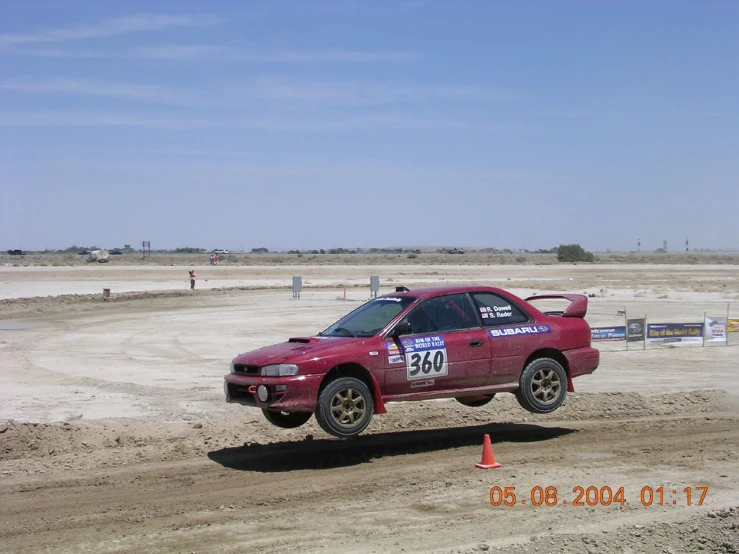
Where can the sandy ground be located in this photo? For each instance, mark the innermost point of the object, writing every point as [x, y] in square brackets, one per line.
[117, 438]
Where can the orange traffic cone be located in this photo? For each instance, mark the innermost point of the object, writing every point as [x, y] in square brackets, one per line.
[488, 458]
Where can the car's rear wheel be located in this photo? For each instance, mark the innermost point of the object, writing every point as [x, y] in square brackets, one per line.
[475, 401]
[286, 420]
[543, 386]
[345, 407]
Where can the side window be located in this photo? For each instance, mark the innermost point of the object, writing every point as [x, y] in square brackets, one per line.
[496, 310]
[443, 313]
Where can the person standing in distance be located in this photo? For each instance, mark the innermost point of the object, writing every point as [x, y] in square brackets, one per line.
[192, 279]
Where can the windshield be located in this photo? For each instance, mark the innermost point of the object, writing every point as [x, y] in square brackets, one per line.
[369, 319]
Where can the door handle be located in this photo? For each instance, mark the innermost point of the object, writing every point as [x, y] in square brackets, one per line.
[477, 342]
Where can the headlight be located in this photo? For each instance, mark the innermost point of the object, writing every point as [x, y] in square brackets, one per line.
[278, 370]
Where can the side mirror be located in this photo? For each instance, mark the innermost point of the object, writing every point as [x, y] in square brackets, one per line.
[402, 328]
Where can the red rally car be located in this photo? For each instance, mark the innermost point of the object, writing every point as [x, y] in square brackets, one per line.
[467, 343]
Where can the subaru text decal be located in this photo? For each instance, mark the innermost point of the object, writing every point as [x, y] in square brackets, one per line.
[515, 331]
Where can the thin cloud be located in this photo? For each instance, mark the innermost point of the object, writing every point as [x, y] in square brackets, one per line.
[110, 28]
[624, 114]
[119, 91]
[205, 52]
[237, 166]
[259, 92]
[262, 123]
[402, 122]
[329, 56]
[358, 93]
[368, 122]
[175, 52]
[84, 119]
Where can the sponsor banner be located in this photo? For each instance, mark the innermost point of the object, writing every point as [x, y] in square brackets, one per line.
[608, 333]
[732, 326]
[675, 332]
[714, 329]
[515, 331]
[635, 329]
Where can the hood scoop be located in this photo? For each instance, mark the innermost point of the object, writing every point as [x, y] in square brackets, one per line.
[301, 340]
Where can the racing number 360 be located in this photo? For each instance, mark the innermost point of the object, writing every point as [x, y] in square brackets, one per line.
[424, 363]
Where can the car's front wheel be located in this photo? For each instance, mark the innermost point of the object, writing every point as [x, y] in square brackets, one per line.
[286, 420]
[345, 407]
[543, 386]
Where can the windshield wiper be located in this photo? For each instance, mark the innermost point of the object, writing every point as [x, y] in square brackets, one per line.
[345, 330]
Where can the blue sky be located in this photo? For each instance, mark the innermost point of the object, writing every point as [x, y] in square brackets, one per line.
[359, 124]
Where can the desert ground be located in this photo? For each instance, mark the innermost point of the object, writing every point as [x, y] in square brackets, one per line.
[115, 437]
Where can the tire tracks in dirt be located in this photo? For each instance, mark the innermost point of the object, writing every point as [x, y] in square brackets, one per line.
[416, 490]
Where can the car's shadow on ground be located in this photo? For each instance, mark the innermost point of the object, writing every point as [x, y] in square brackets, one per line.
[329, 453]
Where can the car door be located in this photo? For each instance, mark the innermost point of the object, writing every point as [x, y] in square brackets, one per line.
[447, 349]
[508, 328]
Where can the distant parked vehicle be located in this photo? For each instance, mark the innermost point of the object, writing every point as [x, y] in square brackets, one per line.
[100, 256]
[116, 252]
[220, 251]
[16, 252]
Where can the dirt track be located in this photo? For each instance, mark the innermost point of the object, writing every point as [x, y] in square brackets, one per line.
[119, 440]
[414, 490]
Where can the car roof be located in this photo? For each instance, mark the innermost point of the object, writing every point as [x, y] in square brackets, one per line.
[429, 292]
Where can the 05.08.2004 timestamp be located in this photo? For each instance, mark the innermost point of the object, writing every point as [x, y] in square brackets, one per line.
[597, 496]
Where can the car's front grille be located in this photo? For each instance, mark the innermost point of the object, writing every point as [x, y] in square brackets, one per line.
[246, 369]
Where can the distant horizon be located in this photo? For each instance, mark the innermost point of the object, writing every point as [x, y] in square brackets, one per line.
[429, 249]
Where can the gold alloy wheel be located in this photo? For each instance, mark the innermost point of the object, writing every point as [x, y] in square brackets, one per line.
[348, 407]
[546, 386]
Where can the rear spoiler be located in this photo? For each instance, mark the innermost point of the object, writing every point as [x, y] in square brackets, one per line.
[578, 308]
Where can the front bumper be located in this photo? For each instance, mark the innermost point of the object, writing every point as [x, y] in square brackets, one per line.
[299, 392]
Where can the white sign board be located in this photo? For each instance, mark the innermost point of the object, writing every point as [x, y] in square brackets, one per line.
[714, 329]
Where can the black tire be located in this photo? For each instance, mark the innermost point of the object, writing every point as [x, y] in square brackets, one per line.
[286, 420]
[345, 407]
[475, 401]
[543, 386]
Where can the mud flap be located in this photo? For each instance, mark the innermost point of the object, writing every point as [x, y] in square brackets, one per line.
[379, 404]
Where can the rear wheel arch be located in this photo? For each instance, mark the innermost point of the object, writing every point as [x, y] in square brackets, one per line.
[358, 372]
[556, 355]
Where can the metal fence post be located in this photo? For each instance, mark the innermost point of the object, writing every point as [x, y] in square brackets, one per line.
[726, 330]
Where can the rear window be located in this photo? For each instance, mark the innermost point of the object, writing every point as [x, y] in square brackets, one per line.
[496, 310]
